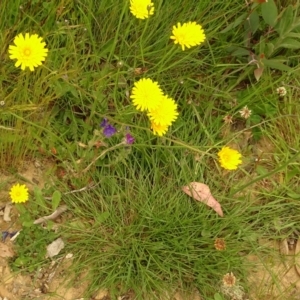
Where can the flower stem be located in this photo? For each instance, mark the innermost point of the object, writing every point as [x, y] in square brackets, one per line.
[102, 154]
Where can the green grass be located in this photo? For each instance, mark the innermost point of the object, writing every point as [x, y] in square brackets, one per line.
[137, 230]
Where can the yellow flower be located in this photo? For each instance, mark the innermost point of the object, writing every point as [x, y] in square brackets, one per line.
[146, 94]
[229, 158]
[165, 113]
[29, 51]
[19, 193]
[141, 9]
[159, 129]
[188, 35]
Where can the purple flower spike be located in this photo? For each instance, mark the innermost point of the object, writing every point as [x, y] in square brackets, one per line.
[129, 139]
[109, 130]
[104, 123]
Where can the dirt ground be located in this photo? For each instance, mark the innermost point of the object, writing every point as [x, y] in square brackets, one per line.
[275, 276]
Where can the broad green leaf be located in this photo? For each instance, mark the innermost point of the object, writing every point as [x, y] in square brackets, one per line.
[21, 261]
[292, 35]
[50, 224]
[235, 23]
[292, 173]
[269, 49]
[293, 195]
[254, 21]
[27, 223]
[296, 29]
[217, 296]
[262, 45]
[290, 44]
[260, 170]
[239, 51]
[275, 64]
[102, 217]
[56, 197]
[285, 22]
[269, 12]
[205, 233]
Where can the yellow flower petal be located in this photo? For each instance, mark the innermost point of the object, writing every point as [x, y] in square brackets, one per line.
[19, 193]
[166, 113]
[141, 9]
[158, 129]
[146, 94]
[188, 34]
[229, 159]
[29, 51]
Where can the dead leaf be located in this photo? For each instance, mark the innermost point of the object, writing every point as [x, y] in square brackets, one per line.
[55, 247]
[257, 73]
[201, 192]
[5, 251]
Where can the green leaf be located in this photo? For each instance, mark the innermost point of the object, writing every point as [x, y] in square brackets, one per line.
[290, 43]
[275, 64]
[292, 34]
[269, 49]
[239, 51]
[292, 173]
[269, 12]
[27, 223]
[217, 296]
[39, 199]
[56, 197]
[285, 22]
[254, 21]
[293, 195]
[255, 119]
[235, 23]
[261, 170]
[102, 217]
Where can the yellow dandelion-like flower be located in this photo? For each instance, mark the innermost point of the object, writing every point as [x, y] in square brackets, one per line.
[188, 34]
[141, 9]
[166, 113]
[146, 94]
[158, 129]
[19, 193]
[229, 158]
[29, 51]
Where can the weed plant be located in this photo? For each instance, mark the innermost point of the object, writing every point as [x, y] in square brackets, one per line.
[136, 230]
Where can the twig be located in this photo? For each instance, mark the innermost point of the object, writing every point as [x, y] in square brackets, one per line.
[88, 187]
[53, 216]
[6, 214]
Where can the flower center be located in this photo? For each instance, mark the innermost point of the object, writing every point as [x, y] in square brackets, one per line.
[27, 51]
[226, 157]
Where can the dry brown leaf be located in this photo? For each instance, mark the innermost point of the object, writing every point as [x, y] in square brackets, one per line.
[201, 192]
[257, 73]
[55, 247]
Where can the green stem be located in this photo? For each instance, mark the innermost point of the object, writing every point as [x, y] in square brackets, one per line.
[102, 154]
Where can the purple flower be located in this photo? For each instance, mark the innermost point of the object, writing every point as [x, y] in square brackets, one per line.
[109, 130]
[104, 123]
[129, 139]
